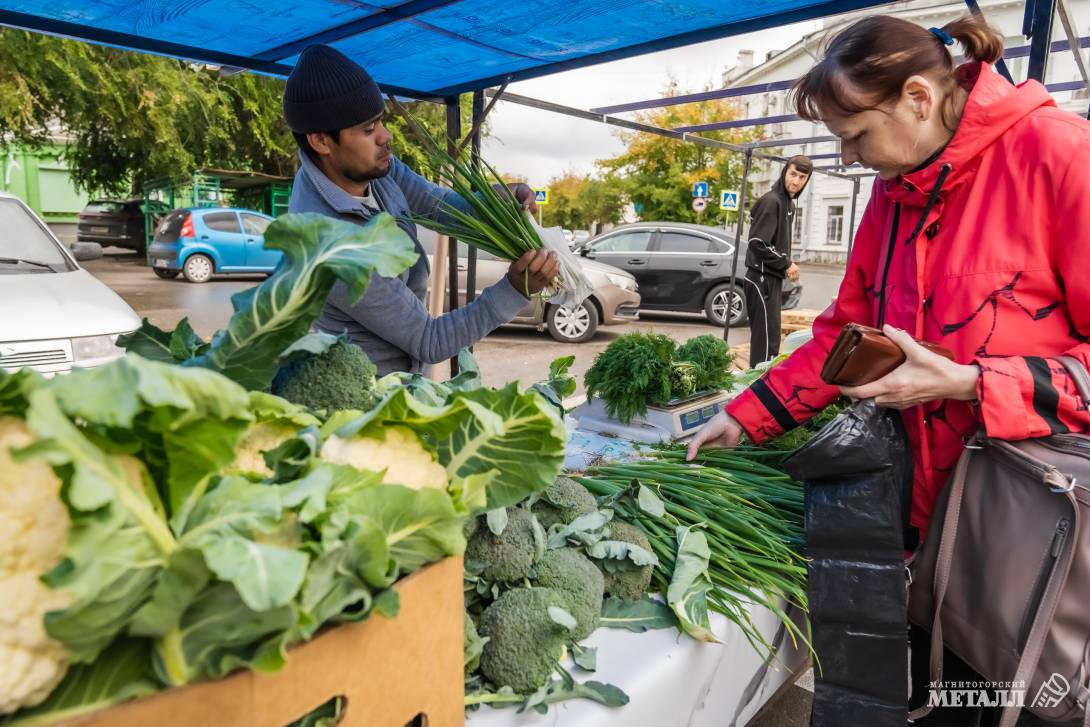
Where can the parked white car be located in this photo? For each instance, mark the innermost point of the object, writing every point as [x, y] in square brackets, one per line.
[54, 315]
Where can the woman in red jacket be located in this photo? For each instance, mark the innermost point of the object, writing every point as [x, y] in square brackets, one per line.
[979, 223]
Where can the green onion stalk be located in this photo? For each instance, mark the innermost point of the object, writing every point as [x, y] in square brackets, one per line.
[751, 514]
[497, 223]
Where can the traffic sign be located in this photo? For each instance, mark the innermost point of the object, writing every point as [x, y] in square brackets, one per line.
[700, 189]
[700, 204]
[541, 196]
[729, 200]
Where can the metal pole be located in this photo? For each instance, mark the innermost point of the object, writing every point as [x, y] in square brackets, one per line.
[851, 220]
[1041, 34]
[454, 133]
[1073, 39]
[737, 245]
[475, 149]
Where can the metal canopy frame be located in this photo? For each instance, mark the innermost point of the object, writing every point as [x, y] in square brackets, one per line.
[750, 151]
[1023, 51]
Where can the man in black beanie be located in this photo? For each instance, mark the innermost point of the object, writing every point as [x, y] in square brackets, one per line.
[768, 258]
[347, 170]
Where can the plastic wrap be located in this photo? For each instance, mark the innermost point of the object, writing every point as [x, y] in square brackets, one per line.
[574, 287]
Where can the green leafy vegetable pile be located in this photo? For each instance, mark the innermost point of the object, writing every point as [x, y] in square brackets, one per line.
[639, 369]
[170, 525]
[184, 549]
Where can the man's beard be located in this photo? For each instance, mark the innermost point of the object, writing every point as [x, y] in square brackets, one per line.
[359, 177]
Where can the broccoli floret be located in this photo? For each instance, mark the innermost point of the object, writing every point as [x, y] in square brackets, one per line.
[571, 573]
[340, 378]
[510, 555]
[625, 579]
[524, 643]
[563, 501]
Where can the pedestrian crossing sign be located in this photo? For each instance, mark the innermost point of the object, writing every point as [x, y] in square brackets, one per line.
[541, 196]
[729, 201]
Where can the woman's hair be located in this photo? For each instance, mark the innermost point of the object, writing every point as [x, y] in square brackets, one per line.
[877, 55]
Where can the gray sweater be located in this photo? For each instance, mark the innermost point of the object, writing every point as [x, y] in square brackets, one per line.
[390, 322]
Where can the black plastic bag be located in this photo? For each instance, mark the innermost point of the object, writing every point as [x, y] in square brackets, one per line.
[858, 476]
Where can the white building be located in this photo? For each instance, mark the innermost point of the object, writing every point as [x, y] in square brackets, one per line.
[822, 227]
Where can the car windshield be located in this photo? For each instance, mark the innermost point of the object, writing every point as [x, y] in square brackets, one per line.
[24, 244]
[104, 206]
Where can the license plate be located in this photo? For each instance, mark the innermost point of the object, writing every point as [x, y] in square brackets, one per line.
[99, 230]
[158, 263]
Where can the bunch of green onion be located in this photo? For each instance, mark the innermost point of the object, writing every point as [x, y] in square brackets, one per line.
[751, 514]
[497, 224]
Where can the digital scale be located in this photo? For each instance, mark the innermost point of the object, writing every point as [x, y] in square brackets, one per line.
[677, 419]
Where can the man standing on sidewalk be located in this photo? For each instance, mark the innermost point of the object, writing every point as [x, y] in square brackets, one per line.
[768, 258]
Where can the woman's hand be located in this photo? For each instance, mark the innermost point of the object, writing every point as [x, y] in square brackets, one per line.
[923, 377]
[722, 431]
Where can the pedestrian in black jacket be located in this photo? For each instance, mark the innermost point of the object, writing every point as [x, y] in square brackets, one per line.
[768, 259]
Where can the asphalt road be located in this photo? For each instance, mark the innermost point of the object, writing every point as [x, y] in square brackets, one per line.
[508, 354]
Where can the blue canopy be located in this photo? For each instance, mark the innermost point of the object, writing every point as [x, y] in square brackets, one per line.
[422, 48]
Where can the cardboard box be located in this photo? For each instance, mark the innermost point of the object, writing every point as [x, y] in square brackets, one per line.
[390, 671]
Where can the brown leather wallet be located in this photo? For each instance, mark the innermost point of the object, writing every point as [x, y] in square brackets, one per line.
[862, 354]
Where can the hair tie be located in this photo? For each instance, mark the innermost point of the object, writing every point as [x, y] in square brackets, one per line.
[942, 35]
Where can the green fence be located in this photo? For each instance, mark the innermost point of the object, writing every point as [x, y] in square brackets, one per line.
[215, 188]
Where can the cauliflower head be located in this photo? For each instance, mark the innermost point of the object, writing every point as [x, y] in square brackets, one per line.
[261, 437]
[398, 451]
[33, 536]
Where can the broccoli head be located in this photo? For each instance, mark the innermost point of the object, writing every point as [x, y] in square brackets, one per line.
[524, 644]
[340, 378]
[624, 579]
[572, 574]
[510, 555]
[563, 501]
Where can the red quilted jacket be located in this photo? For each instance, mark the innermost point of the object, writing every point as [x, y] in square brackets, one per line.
[999, 274]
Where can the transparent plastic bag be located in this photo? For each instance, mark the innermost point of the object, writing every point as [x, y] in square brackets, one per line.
[572, 287]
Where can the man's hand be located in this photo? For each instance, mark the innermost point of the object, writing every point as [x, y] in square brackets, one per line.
[522, 194]
[542, 267]
[924, 376]
[721, 432]
[793, 273]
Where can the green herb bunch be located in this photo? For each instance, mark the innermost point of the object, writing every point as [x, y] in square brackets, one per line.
[649, 368]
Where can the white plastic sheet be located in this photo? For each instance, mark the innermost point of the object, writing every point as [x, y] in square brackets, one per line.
[575, 288]
[671, 680]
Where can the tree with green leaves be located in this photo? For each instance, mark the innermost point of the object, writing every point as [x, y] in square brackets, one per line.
[129, 118]
[657, 173]
[579, 202]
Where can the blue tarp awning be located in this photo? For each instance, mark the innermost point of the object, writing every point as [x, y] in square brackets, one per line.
[421, 48]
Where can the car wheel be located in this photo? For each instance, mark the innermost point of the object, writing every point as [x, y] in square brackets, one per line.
[715, 306]
[198, 268]
[572, 325]
[166, 274]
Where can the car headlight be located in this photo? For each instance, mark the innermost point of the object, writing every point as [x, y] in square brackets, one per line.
[92, 347]
[621, 281]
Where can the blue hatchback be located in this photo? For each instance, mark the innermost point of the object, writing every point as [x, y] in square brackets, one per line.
[199, 243]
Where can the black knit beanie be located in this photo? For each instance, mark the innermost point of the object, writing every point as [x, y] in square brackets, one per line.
[328, 91]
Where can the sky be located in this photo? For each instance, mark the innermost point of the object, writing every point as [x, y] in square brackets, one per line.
[541, 145]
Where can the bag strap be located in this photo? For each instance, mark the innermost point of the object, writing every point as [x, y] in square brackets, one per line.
[943, 561]
[1078, 374]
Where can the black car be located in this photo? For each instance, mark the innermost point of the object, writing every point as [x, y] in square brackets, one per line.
[117, 222]
[681, 267]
